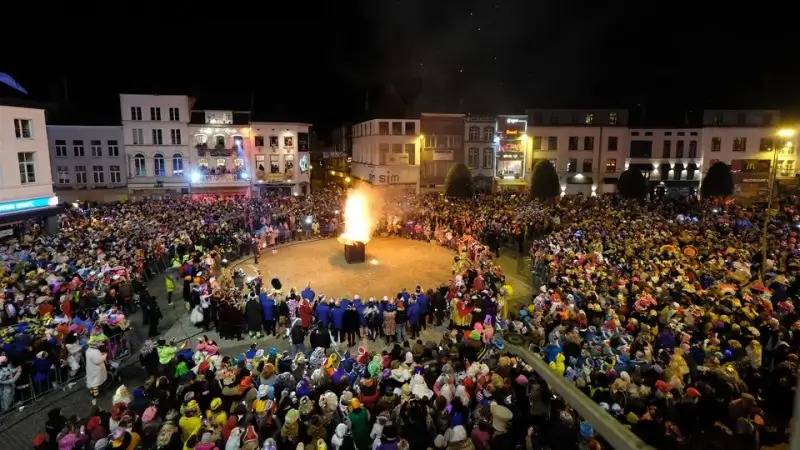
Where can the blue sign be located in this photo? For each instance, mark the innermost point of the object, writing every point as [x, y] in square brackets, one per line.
[22, 205]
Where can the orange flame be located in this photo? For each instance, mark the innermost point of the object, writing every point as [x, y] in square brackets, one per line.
[358, 224]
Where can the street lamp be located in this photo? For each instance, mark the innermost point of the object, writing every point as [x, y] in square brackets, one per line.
[785, 134]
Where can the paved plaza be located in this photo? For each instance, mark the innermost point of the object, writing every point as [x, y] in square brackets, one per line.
[392, 264]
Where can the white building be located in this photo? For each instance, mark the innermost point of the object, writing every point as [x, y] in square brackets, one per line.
[588, 148]
[221, 144]
[156, 141]
[386, 153]
[670, 158]
[480, 147]
[88, 162]
[745, 140]
[280, 157]
[26, 187]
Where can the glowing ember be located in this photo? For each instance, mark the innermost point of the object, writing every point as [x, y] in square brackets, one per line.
[358, 225]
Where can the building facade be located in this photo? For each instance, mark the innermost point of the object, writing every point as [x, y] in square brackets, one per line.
[441, 147]
[670, 158]
[88, 162]
[281, 157]
[511, 154]
[747, 140]
[586, 147]
[386, 153]
[221, 151]
[480, 146]
[156, 140]
[26, 187]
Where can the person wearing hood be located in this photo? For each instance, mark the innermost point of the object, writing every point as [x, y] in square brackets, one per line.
[323, 313]
[457, 439]
[306, 313]
[298, 337]
[8, 382]
[320, 337]
[423, 303]
[342, 438]
[253, 313]
[270, 313]
[350, 324]
[337, 318]
[358, 416]
[55, 423]
[96, 372]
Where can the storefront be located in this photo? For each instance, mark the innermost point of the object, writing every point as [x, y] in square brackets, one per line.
[510, 161]
[17, 215]
[399, 178]
[751, 185]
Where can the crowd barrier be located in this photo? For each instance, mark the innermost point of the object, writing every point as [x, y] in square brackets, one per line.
[38, 382]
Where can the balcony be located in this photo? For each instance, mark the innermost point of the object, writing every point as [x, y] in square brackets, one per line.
[219, 151]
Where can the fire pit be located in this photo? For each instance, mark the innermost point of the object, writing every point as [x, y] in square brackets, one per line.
[355, 252]
[358, 227]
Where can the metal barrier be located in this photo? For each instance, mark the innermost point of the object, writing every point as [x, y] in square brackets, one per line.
[38, 381]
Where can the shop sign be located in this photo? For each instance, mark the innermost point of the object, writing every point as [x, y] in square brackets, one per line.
[23, 205]
[274, 177]
[443, 155]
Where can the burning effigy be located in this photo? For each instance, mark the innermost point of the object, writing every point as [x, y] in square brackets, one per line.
[358, 227]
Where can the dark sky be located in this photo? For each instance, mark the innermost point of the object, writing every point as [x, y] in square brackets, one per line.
[315, 61]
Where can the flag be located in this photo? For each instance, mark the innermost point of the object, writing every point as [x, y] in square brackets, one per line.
[6, 79]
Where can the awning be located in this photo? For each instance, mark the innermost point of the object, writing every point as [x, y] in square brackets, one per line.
[511, 182]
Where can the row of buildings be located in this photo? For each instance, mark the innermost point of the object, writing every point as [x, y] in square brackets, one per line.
[588, 148]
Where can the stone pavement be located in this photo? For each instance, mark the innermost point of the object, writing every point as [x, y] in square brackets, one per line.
[397, 266]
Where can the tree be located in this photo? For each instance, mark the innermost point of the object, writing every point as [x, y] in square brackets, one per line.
[718, 181]
[631, 184]
[458, 182]
[544, 182]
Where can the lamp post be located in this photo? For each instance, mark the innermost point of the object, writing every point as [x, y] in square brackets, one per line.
[784, 133]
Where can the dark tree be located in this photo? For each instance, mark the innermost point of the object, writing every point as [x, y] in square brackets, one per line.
[718, 181]
[458, 182]
[544, 182]
[632, 184]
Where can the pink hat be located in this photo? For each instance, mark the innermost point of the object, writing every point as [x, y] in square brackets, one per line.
[522, 379]
[149, 414]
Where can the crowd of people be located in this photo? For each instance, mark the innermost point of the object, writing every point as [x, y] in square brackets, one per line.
[657, 311]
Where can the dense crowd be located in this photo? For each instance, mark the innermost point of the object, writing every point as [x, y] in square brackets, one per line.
[657, 311]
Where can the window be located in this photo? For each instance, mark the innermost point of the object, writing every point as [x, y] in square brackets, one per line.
[288, 141]
[634, 133]
[589, 118]
[274, 164]
[158, 136]
[766, 144]
[741, 119]
[472, 158]
[77, 148]
[679, 149]
[411, 128]
[411, 151]
[572, 143]
[177, 164]
[116, 174]
[97, 174]
[553, 119]
[537, 118]
[588, 143]
[666, 149]
[739, 144]
[613, 142]
[442, 142]
[692, 149]
[488, 158]
[383, 128]
[288, 164]
[259, 140]
[138, 136]
[681, 133]
[136, 113]
[552, 142]
[174, 115]
[61, 148]
[693, 133]
[155, 113]
[474, 133]
[63, 175]
[668, 133]
[219, 141]
[397, 128]
[80, 174]
[175, 137]
[158, 165]
[23, 128]
[587, 165]
[537, 143]
[27, 167]
[203, 162]
[572, 165]
[97, 148]
[273, 141]
[716, 144]
[611, 165]
[612, 120]
[648, 133]
[488, 134]
[113, 148]
[139, 168]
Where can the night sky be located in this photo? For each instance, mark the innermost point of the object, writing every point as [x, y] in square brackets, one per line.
[316, 61]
